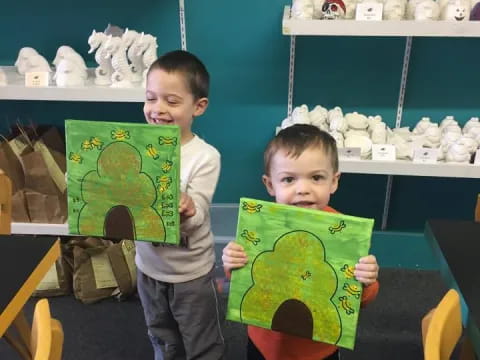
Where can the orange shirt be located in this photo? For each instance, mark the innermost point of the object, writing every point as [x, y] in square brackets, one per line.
[275, 345]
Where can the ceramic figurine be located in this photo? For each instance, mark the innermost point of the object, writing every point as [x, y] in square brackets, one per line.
[335, 112]
[448, 120]
[300, 115]
[449, 138]
[22, 58]
[427, 10]
[421, 126]
[337, 122]
[146, 45]
[339, 139]
[363, 142]
[69, 74]
[410, 9]
[474, 121]
[287, 122]
[302, 9]
[103, 73]
[394, 10]
[457, 152]
[474, 131]
[3, 78]
[318, 116]
[452, 128]
[113, 30]
[130, 38]
[351, 132]
[403, 132]
[333, 10]
[66, 51]
[456, 11]
[356, 121]
[122, 74]
[433, 136]
[372, 121]
[379, 133]
[403, 148]
[37, 63]
[470, 143]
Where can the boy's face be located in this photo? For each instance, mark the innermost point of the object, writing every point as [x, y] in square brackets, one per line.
[169, 101]
[307, 181]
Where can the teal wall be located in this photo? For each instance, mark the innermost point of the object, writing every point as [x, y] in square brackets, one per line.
[242, 45]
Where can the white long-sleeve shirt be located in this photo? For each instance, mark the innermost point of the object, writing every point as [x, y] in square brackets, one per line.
[199, 172]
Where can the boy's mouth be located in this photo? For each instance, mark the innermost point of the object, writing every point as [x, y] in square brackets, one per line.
[305, 204]
[161, 121]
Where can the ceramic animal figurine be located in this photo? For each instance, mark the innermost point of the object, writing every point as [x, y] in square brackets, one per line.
[302, 9]
[130, 38]
[363, 142]
[356, 121]
[66, 51]
[37, 63]
[338, 122]
[338, 138]
[474, 121]
[3, 78]
[122, 74]
[113, 30]
[427, 10]
[333, 10]
[421, 126]
[103, 73]
[448, 120]
[287, 122]
[372, 121]
[300, 115]
[456, 11]
[452, 128]
[318, 116]
[457, 152]
[146, 45]
[69, 74]
[350, 8]
[470, 143]
[410, 9]
[394, 10]
[379, 133]
[23, 55]
[335, 112]
[433, 136]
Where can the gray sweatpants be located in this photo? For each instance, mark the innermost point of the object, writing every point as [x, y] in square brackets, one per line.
[183, 319]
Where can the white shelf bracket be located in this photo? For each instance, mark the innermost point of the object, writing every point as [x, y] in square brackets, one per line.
[398, 123]
[291, 76]
[183, 31]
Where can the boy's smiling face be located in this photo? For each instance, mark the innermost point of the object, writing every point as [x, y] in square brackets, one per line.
[169, 101]
[306, 181]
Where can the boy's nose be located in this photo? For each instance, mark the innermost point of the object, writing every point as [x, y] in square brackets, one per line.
[302, 188]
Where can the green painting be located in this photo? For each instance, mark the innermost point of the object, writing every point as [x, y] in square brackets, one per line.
[299, 278]
[123, 180]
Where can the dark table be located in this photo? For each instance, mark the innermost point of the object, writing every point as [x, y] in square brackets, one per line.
[24, 261]
[456, 244]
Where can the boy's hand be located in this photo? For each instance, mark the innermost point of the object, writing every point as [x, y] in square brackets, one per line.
[186, 207]
[233, 257]
[366, 271]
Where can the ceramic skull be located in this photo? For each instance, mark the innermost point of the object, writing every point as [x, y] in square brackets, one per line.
[333, 9]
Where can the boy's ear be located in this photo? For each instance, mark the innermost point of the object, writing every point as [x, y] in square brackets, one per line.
[335, 180]
[200, 106]
[268, 184]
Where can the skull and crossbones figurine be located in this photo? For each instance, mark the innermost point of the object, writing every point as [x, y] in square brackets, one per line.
[333, 9]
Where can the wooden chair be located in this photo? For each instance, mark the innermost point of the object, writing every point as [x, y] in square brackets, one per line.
[43, 341]
[442, 328]
[5, 204]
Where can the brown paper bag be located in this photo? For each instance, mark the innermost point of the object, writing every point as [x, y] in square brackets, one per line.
[122, 259]
[93, 278]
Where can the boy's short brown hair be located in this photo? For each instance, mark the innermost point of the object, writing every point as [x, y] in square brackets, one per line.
[187, 64]
[295, 139]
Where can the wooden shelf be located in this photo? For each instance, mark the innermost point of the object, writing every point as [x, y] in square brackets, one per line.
[438, 28]
[408, 168]
[16, 90]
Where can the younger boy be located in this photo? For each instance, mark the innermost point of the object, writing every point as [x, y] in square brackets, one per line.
[175, 284]
[301, 169]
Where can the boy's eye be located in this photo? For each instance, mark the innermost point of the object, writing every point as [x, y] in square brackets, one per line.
[318, 177]
[149, 99]
[288, 179]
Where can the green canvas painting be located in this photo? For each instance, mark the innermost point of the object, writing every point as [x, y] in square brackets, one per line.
[299, 278]
[123, 180]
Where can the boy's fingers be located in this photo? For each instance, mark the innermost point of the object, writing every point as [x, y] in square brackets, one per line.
[370, 275]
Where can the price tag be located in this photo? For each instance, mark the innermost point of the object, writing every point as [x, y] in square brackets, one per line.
[425, 156]
[385, 152]
[36, 79]
[477, 157]
[369, 11]
[350, 153]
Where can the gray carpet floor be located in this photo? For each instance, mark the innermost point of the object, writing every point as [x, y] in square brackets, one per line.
[389, 327]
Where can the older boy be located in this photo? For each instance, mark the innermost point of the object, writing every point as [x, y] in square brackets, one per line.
[301, 169]
[175, 284]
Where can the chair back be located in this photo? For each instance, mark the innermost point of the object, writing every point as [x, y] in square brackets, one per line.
[444, 329]
[41, 339]
[5, 204]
